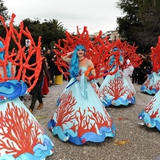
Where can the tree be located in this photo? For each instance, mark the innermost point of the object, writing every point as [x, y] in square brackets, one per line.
[3, 10]
[50, 31]
[149, 17]
[141, 24]
[4, 14]
[35, 27]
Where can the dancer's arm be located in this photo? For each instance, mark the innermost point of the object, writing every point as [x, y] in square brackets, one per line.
[92, 74]
[66, 57]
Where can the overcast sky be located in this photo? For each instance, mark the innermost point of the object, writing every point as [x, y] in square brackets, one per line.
[95, 14]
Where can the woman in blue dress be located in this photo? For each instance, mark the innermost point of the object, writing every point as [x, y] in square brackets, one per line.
[150, 115]
[80, 116]
[115, 89]
[152, 84]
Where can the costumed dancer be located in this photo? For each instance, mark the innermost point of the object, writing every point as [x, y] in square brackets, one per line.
[80, 116]
[21, 135]
[127, 72]
[152, 83]
[150, 115]
[131, 61]
[115, 89]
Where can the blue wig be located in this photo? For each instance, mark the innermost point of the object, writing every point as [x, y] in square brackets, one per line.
[115, 49]
[74, 65]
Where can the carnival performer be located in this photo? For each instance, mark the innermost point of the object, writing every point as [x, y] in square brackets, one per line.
[127, 73]
[21, 135]
[150, 115]
[80, 116]
[115, 89]
[152, 83]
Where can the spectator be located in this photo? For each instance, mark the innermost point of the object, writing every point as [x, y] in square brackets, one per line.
[36, 91]
[51, 64]
[142, 71]
[135, 75]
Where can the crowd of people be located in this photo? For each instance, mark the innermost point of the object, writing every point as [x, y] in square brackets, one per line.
[141, 73]
[49, 71]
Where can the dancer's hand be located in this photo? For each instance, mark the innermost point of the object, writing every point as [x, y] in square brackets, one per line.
[78, 78]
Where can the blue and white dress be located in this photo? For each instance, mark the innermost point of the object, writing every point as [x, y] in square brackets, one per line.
[150, 115]
[115, 89]
[152, 83]
[21, 135]
[80, 116]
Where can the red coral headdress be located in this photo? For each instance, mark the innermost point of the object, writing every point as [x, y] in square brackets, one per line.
[97, 50]
[19, 59]
[155, 56]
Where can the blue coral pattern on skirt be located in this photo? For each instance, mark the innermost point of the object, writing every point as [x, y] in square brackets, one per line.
[80, 116]
[21, 135]
[152, 84]
[116, 91]
[150, 115]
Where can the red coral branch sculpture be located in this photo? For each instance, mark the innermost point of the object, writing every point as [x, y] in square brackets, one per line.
[19, 58]
[155, 56]
[98, 51]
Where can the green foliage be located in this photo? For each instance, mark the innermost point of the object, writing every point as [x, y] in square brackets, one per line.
[50, 31]
[3, 10]
[4, 14]
[141, 23]
[34, 27]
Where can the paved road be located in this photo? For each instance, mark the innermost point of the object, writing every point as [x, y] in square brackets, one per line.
[135, 142]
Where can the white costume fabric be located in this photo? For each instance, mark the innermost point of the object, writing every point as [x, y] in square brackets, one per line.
[127, 72]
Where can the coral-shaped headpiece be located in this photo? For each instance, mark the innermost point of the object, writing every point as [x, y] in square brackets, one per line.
[14, 65]
[155, 56]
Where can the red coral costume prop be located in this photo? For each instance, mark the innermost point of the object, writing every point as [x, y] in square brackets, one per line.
[97, 50]
[115, 89]
[21, 136]
[152, 83]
